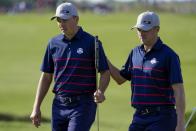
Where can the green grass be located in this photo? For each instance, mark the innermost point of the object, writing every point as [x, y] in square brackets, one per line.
[25, 36]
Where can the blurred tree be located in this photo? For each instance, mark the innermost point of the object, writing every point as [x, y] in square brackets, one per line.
[5, 3]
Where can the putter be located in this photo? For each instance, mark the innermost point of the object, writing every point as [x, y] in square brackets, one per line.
[96, 68]
[193, 112]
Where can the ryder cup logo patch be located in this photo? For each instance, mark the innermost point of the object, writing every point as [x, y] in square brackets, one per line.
[80, 51]
[147, 22]
[153, 61]
[65, 12]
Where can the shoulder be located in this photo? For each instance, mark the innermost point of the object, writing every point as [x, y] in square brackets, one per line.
[136, 49]
[87, 36]
[168, 50]
[56, 39]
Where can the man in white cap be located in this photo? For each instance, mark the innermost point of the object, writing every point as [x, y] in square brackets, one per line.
[156, 80]
[70, 60]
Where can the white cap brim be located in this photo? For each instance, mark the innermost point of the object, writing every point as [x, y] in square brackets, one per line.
[64, 17]
[142, 27]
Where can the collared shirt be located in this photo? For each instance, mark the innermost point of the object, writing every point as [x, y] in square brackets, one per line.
[73, 63]
[152, 75]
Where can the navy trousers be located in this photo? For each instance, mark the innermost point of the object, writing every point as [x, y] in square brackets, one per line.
[74, 114]
[164, 120]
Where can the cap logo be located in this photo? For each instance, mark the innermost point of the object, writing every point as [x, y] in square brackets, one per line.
[65, 12]
[147, 22]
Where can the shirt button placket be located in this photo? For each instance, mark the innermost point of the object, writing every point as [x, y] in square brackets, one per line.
[69, 43]
[143, 61]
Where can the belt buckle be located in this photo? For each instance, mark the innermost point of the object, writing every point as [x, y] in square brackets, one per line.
[145, 111]
[69, 99]
[66, 100]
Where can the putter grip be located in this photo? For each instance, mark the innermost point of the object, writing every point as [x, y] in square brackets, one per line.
[96, 52]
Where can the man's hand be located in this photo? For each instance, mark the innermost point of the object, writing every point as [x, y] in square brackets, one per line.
[99, 96]
[36, 118]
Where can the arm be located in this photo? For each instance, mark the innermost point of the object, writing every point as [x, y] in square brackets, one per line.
[115, 73]
[103, 84]
[180, 105]
[42, 89]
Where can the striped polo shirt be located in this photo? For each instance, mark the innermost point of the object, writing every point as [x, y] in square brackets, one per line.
[73, 63]
[152, 75]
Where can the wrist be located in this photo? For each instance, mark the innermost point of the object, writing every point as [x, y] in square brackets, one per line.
[100, 91]
[36, 108]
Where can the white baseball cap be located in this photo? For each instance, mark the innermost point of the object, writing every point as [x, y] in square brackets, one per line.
[147, 20]
[65, 11]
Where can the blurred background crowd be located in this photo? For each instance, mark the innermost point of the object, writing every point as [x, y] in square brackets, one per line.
[99, 6]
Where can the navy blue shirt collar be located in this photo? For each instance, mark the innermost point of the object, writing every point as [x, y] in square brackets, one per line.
[77, 35]
[157, 45]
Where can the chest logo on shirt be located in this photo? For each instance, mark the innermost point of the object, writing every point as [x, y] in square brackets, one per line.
[80, 51]
[153, 61]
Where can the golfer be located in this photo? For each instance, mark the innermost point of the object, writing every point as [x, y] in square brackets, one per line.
[156, 80]
[70, 60]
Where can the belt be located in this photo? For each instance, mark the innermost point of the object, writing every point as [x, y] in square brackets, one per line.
[72, 99]
[150, 110]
